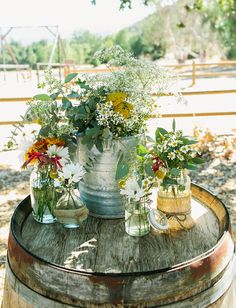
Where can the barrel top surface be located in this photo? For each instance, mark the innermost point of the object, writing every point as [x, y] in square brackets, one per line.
[102, 246]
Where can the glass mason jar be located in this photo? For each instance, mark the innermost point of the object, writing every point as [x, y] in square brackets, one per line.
[136, 218]
[70, 210]
[43, 196]
[175, 202]
[139, 218]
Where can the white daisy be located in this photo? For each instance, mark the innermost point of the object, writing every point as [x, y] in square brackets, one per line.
[23, 147]
[193, 154]
[132, 190]
[171, 156]
[174, 143]
[72, 172]
[62, 152]
[184, 149]
[180, 157]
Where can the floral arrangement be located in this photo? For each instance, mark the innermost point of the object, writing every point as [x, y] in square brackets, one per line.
[53, 173]
[159, 163]
[101, 106]
[137, 183]
[116, 104]
[171, 154]
[47, 115]
[47, 154]
[70, 174]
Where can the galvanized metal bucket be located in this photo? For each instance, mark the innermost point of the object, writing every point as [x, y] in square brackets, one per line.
[99, 190]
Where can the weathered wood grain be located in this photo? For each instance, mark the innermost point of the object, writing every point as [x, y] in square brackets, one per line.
[99, 264]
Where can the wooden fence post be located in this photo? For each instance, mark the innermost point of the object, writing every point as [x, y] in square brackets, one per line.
[193, 73]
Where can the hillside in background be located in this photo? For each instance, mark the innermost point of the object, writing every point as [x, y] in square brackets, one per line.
[178, 31]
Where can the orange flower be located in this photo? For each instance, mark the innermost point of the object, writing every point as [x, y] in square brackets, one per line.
[41, 146]
[56, 141]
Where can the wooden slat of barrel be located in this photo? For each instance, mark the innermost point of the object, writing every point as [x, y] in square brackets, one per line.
[99, 264]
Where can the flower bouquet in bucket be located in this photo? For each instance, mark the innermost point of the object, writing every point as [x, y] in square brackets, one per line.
[107, 113]
[110, 112]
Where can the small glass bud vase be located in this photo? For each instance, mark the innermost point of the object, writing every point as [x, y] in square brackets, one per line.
[70, 210]
[43, 196]
[136, 218]
[175, 202]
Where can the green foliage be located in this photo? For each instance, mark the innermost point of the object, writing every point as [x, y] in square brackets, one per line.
[172, 153]
[122, 169]
[126, 3]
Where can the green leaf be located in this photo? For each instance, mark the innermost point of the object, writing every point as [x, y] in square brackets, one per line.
[188, 141]
[160, 132]
[81, 109]
[99, 145]
[87, 108]
[54, 96]
[73, 94]
[173, 125]
[141, 150]
[122, 170]
[190, 166]
[197, 160]
[168, 182]
[90, 144]
[148, 170]
[44, 131]
[106, 133]
[69, 77]
[175, 171]
[42, 97]
[66, 102]
[10, 144]
[93, 132]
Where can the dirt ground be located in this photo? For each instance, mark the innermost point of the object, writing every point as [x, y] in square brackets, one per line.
[218, 176]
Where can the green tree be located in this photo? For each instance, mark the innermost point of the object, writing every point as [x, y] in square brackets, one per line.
[123, 38]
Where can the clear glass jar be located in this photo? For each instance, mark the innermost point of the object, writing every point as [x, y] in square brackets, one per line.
[136, 218]
[175, 202]
[43, 196]
[70, 210]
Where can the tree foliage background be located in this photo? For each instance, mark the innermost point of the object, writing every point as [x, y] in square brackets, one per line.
[183, 28]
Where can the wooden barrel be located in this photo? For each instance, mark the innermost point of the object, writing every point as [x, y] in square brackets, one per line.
[99, 265]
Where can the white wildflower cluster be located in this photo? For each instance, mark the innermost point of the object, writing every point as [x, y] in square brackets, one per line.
[106, 116]
[138, 78]
[120, 126]
[174, 149]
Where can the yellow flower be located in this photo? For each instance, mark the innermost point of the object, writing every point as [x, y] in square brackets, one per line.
[116, 98]
[119, 104]
[160, 174]
[124, 109]
[53, 174]
[121, 184]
